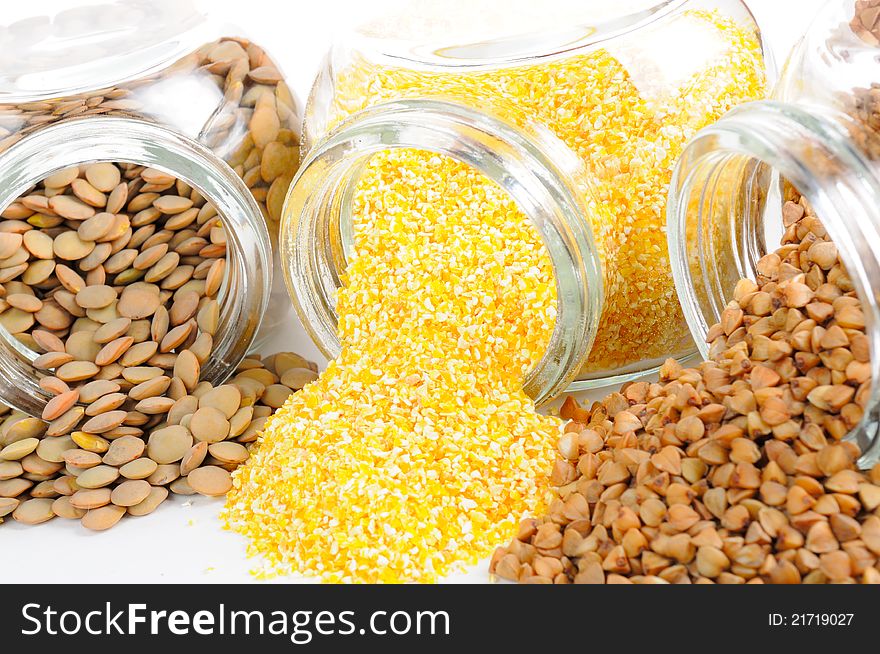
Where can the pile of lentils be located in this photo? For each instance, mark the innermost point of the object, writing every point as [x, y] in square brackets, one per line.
[735, 471]
[112, 273]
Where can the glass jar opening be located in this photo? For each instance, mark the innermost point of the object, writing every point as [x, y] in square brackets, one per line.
[725, 213]
[624, 104]
[248, 275]
[316, 234]
[69, 50]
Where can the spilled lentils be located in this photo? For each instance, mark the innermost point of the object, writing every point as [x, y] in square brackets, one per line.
[112, 274]
[735, 471]
[416, 450]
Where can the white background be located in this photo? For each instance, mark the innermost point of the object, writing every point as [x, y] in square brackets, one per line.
[182, 541]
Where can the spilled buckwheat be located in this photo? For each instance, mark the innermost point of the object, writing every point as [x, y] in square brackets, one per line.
[734, 471]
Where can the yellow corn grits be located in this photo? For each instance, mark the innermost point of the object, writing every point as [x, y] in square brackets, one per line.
[416, 451]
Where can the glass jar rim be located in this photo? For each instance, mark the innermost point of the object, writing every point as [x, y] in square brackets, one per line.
[315, 235]
[86, 140]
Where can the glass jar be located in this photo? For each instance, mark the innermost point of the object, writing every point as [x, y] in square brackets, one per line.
[156, 84]
[818, 135]
[166, 62]
[577, 110]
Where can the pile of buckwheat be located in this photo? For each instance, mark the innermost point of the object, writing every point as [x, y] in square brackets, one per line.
[734, 471]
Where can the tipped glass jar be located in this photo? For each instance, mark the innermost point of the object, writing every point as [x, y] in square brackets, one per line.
[156, 84]
[577, 110]
[818, 137]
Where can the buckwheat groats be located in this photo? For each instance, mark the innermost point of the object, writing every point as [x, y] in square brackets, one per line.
[416, 450]
[734, 471]
[627, 118]
[114, 274]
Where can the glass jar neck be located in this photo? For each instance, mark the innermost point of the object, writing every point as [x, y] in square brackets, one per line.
[536, 170]
[245, 294]
[724, 213]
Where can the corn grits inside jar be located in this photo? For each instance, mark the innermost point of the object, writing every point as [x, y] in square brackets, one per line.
[625, 110]
[480, 220]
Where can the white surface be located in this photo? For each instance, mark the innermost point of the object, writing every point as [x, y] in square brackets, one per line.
[182, 541]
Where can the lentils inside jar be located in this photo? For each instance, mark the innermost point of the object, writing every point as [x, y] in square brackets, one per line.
[113, 274]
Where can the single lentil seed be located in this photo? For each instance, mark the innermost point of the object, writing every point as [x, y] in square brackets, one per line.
[103, 518]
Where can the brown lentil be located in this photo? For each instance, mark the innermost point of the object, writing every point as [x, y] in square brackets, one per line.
[63, 508]
[148, 505]
[34, 511]
[138, 469]
[87, 499]
[210, 480]
[130, 492]
[103, 518]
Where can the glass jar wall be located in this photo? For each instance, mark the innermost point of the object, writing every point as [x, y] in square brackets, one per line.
[165, 62]
[817, 137]
[610, 86]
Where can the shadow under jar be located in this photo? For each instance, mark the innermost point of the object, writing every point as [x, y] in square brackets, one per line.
[577, 110]
[152, 85]
[817, 137]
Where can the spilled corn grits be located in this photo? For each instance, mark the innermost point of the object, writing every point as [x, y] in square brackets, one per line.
[416, 452]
